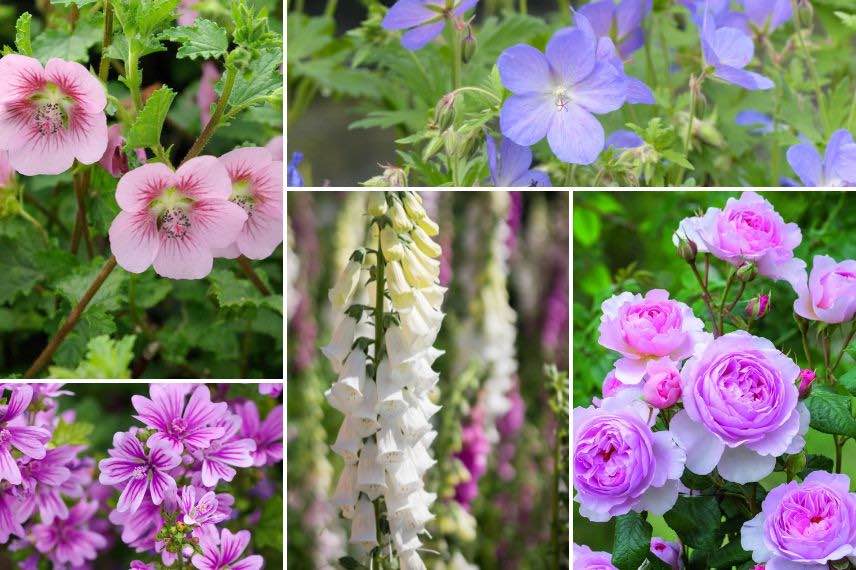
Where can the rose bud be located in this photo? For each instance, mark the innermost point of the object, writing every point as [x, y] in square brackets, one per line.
[747, 272]
[687, 250]
[807, 377]
[758, 306]
[662, 384]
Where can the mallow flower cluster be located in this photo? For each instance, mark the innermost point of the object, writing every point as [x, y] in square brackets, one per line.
[173, 475]
[48, 498]
[388, 302]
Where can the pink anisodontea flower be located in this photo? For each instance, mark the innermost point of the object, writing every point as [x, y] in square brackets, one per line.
[267, 434]
[114, 160]
[179, 426]
[69, 540]
[29, 440]
[172, 220]
[206, 95]
[50, 115]
[204, 511]
[257, 188]
[225, 555]
[141, 473]
[219, 460]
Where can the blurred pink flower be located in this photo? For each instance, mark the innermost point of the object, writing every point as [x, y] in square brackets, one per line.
[114, 160]
[50, 115]
[275, 148]
[206, 96]
[6, 171]
[186, 14]
[173, 220]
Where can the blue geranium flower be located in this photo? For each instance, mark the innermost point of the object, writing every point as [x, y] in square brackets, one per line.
[510, 166]
[728, 50]
[621, 22]
[423, 19]
[836, 168]
[295, 180]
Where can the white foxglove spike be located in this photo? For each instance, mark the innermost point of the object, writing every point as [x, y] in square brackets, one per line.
[425, 244]
[363, 529]
[411, 560]
[434, 294]
[428, 226]
[432, 316]
[388, 449]
[365, 413]
[428, 439]
[349, 388]
[341, 342]
[403, 477]
[346, 494]
[343, 290]
[428, 262]
[348, 442]
[371, 477]
[404, 538]
[395, 278]
[417, 274]
[413, 206]
[413, 325]
[413, 424]
[422, 460]
[391, 246]
[428, 407]
[396, 503]
[398, 216]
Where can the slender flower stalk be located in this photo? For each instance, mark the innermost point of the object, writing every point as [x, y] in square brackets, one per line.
[383, 353]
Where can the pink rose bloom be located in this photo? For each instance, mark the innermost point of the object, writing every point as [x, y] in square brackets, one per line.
[668, 551]
[114, 160]
[275, 148]
[50, 115]
[741, 408]
[6, 171]
[172, 220]
[256, 181]
[829, 293]
[206, 96]
[647, 328]
[662, 386]
[620, 464]
[587, 559]
[747, 230]
[804, 525]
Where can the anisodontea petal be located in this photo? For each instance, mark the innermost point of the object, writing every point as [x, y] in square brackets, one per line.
[137, 188]
[134, 240]
[575, 135]
[524, 69]
[217, 223]
[188, 258]
[71, 75]
[204, 177]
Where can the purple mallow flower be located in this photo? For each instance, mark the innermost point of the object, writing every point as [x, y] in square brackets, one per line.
[510, 167]
[68, 540]
[176, 425]
[423, 19]
[728, 50]
[767, 15]
[804, 525]
[141, 473]
[267, 434]
[219, 460]
[29, 440]
[836, 168]
[226, 554]
[43, 480]
[556, 93]
[199, 512]
[621, 22]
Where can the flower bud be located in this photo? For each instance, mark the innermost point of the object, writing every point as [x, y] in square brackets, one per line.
[662, 386]
[468, 45]
[795, 463]
[413, 205]
[392, 247]
[758, 306]
[400, 222]
[376, 205]
[444, 112]
[807, 377]
[395, 177]
[805, 13]
[747, 272]
[687, 250]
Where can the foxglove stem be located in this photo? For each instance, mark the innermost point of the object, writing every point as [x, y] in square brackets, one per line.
[380, 285]
[214, 122]
[45, 357]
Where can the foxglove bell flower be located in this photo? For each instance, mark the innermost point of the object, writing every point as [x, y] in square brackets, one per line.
[178, 426]
[648, 328]
[741, 408]
[728, 50]
[747, 230]
[620, 464]
[172, 220]
[510, 166]
[557, 93]
[804, 525]
[621, 22]
[829, 293]
[386, 434]
[424, 20]
[257, 188]
[29, 440]
[51, 115]
[836, 168]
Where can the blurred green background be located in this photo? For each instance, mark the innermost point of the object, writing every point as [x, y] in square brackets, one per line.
[623, 242]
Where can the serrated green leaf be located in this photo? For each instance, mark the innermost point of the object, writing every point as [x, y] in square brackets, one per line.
[76, 433]
[105, 358]
[831, 412]
[22, 34]
[94, 322]
[232, 292]
[146, 130]
[20, 271]
[73, 286]
[79, 3]
[260, 80]
[64, 45]
[848, 20]
[203, 39]
[677, 158]
[696, 520]
[142, 18]
[632, 541]
[732, 554]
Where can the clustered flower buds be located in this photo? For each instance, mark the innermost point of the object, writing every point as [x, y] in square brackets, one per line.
[388, 298]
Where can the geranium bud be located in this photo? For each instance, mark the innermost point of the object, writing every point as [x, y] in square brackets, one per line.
[687, 250]
[758, 306]
[468, 45]
[395, 177]
[807, 377]
[805, 13]
[747, 272]
[444, 112]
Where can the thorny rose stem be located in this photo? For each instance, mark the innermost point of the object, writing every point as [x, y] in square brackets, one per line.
[45, 357]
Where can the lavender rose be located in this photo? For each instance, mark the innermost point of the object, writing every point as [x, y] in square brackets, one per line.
[741, 408]
[620, 464]
[668, 551]
[804, 525]
[648, 328]
[747, 230]
[587, 559]
[829, 293]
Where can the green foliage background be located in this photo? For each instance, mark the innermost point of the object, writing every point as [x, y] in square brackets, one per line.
[623, 242]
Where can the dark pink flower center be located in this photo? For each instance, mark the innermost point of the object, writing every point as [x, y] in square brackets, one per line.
[175, 223]
[50, 117]
[5, 437]
[178, 426]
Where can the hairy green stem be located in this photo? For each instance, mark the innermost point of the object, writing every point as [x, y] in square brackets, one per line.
[132, 74]
[689, 136]
[457, 62]
[248, 270]
[214, 122]
[107, 39]
[803, 326]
